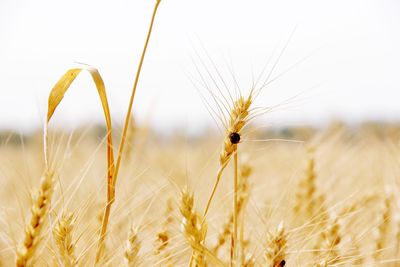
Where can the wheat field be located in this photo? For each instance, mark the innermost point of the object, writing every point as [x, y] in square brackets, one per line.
[336, 203]
[244, 196]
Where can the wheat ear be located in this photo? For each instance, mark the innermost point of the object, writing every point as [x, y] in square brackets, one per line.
[238, 118]
[383, 230]
[132, 248]
[329, 242]
[309, 204]
[194, 228]
[62, 233]
[275, 251]
[39, 210]
[164, 236]
[305, 205]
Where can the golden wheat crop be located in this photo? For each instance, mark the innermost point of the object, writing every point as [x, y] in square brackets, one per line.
[328, 199]
[336, 206]
[283, 215]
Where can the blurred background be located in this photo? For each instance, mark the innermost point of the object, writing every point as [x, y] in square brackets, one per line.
[341, 61]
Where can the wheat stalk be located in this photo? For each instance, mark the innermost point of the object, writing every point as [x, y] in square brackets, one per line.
[243, 196]
[111, 193]
[234, 240]
[238, 118]
[245, 171]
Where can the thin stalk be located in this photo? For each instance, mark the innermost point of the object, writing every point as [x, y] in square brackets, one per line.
[241, 238]
[129, 112]
[231, 253]
[111, 191]
[219, 174]
[235, 208]
[103, 232]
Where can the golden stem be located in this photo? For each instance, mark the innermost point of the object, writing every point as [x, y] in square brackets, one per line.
[235, 208]
[219, 174]
[241, 238]
[111, 186]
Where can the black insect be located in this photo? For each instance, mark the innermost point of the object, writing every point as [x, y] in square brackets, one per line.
[282, 263]
[234, 137]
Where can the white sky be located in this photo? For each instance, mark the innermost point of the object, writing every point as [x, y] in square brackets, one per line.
[353, 72]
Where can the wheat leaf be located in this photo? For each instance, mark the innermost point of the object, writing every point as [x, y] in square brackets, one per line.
[56, 96]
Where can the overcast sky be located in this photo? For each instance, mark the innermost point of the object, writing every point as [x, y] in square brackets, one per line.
[352, 70]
